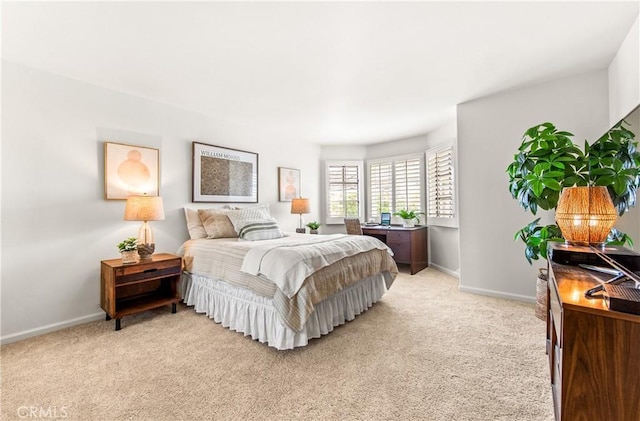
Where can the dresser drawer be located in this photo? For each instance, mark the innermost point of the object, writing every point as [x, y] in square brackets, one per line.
[401, 251]
[398, 236]
[142, 272]
[555, 309]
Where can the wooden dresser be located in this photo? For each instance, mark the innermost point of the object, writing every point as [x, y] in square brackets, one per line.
[131, 288]
[409, 245]
[594, 353]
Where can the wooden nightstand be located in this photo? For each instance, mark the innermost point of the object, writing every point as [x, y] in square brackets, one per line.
[132, 288]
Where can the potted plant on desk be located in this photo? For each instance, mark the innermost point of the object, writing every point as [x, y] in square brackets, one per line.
[408, 217]
[547, 161]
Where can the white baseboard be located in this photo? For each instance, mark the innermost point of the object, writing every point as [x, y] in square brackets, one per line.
[15, 337]
[445, 270]
[498, 294]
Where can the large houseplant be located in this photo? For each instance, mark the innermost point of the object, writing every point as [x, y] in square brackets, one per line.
[547, 161]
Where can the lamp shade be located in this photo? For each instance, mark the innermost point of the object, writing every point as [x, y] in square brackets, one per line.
[144, 208]
[585, 215]
[300, 205]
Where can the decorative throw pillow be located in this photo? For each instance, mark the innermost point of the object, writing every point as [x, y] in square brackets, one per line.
[194, 224]
[253, 213]
[264, 229]
[216, 223]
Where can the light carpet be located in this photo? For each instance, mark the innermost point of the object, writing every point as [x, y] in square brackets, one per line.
[424, 352]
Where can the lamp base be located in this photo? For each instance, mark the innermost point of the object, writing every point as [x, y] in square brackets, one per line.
[145, 251]
[301, 230]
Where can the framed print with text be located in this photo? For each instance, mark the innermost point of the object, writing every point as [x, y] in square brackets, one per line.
[224, 174]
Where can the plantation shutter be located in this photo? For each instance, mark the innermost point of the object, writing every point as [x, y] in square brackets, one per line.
[381, 188]
[394, 184]
[343, 191]
[440, 183]
[408, 187]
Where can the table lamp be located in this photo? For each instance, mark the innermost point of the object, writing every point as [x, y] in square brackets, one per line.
[585, 214]
[300, 205]
[144, 208]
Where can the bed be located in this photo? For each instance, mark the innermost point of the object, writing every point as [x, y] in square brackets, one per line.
[286, 290]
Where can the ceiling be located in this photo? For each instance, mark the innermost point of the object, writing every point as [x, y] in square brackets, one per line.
[322, 72]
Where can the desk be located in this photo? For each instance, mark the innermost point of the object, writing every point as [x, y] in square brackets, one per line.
[409, 245]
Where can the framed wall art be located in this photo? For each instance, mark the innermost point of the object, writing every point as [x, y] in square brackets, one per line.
[288, 184]
[224, 174]
[130, 170]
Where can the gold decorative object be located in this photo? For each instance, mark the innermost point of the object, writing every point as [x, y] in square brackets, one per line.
[585, 215]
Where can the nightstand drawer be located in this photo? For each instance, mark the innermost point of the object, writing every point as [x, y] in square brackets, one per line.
[146, 274]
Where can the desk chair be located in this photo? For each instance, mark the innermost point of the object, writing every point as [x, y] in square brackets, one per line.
[353, 226]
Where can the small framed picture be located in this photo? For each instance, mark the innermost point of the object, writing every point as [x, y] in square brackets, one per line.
[289, 184]
[130, 170]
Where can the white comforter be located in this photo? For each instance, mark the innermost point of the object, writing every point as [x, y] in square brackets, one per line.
[289, 262]
[222, 259]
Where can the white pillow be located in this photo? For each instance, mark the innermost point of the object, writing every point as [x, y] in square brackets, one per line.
[194, 224]
[253, 213]
[264, 229]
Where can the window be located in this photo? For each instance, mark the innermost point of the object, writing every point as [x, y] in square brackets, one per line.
[441, 186]
[408, 185]
[380, 188]
[344, 190]
[394, 184]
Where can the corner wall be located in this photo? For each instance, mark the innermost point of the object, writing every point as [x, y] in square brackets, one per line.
[489, 133]
[56, 226]
[443, 241]
[624, 76]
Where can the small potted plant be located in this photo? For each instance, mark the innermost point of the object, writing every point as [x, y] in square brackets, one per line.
[129, 250]
[408, 217]
[313, 227]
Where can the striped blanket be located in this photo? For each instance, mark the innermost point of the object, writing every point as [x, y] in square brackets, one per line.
[223, 258]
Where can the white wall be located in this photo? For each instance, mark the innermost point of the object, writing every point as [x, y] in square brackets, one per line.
[489, 133]
[56, 226]
[624, 79]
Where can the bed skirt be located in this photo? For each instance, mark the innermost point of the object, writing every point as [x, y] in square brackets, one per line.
[253, 315]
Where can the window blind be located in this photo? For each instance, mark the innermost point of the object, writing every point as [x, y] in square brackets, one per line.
[381, 188]
[395, 184]
[407, 185]
[343, 191]
[440, 183]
